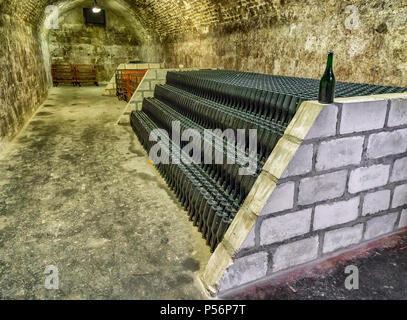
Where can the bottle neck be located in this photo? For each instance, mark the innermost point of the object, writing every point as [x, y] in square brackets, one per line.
[330, 60]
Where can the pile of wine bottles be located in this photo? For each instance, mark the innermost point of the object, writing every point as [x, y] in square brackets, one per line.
[213, 115]
[213, 192]
[211, 204]
[235, 84]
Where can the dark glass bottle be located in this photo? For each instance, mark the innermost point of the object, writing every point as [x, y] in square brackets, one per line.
[328, 82]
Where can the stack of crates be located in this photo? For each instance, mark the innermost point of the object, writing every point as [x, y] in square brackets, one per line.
[75, 74]
[127, 82]
[63, 73]
[86, 73]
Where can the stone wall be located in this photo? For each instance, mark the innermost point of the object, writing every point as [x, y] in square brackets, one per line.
[271, 36]
[23, 82]
[293, 37]
[120, 42]
[336, 179]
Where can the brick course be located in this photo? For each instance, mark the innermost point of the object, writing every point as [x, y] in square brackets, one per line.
[399, 172]
[348, 151]
[322, 187]
[280, 228]
[281, 199]
[295, 253]
[387, 143]
[342, 238]
[361, 116]
[398, 113]
[380, 225]
[336, 213]
[366, 178]
[400, 196]
[376, 201]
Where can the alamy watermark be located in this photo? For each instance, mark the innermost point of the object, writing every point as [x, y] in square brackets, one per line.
[352, 281]
[52, 279]
[352, 21]
[52, 17]
[211, 147]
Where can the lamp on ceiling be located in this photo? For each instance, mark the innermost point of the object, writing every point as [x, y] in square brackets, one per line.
[95, 7]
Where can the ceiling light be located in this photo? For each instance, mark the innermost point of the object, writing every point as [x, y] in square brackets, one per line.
[96, 8]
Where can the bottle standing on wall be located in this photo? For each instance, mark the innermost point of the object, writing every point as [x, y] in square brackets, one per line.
[328, 82]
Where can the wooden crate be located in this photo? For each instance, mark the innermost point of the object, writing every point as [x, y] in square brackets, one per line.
[63, 73]
[127, 82]
[86, 73]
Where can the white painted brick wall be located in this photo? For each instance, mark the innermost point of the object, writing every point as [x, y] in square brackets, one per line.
[399, 196]
[323, 187]
[380, 225]
[357, 117]
[139, 66]
[368, 178]
[399, 172]
[281, 199]
[249, 242]
[150, 75]
[137, 96]
[154, 65]
[161, 74]
[387, 143]
[398, 113]
[295, 253]
[155, 83]
[244, 270]
[301, 163]
[325, 124]
[148, 94]
[341, 238]
[403, 219]
[339, 153]
[376, 201]
[284, 227]
[144, 86]
[336, 213]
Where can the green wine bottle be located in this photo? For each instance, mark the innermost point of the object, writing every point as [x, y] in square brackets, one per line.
[328, 82]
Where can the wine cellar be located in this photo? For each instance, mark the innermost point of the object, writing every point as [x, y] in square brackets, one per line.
[189, 150]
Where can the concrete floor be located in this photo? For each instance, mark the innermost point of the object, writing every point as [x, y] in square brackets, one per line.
[77, 192]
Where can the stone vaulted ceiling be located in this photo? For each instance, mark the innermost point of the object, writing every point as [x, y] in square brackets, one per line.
[165, 17]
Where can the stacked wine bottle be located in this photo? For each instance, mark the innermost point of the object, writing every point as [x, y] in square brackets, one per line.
[213, 193]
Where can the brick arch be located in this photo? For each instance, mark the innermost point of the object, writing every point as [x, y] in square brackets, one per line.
[118, 7]
[164, 17]
[161, 16]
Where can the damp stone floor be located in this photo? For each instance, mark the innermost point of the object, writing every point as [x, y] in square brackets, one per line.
[77, 192]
